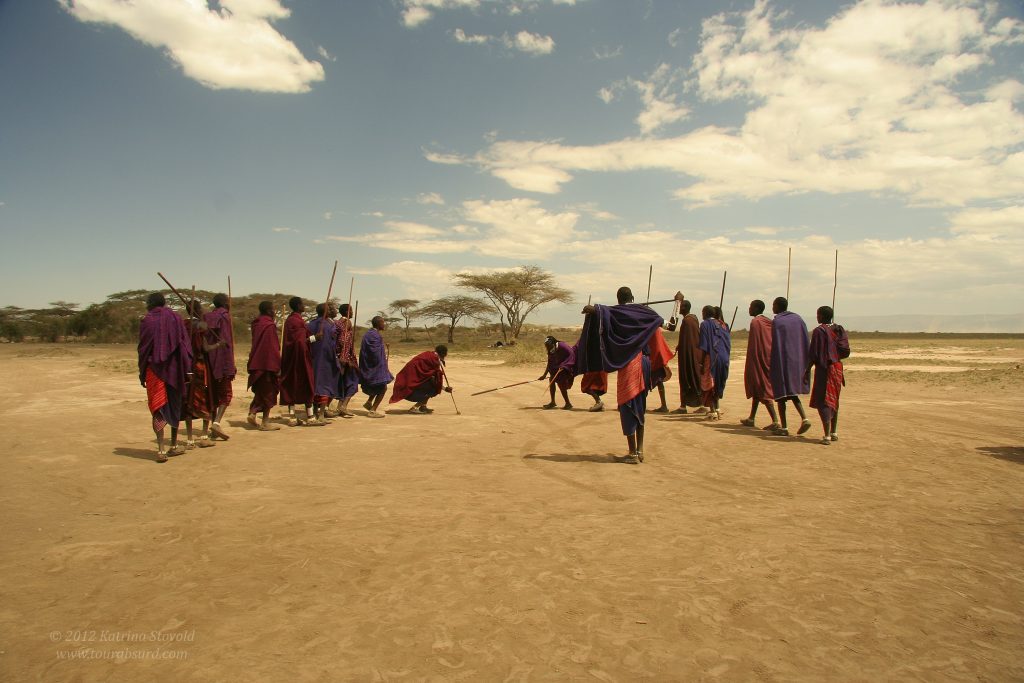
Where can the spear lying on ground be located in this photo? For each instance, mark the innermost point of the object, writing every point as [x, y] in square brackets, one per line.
[507, 386]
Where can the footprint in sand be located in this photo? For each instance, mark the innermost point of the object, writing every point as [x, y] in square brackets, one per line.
[442, 639]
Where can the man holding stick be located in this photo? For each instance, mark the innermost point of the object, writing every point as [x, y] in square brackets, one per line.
[297, 365]
[323, 350]
[222, 360]
[165, 358]
[789, 367]
[264, 367]
[561, 367]
[348, 380]
[373, 367]
[198, 395]
[716, 347]
[829, 345]
[757, 378]
[421, 379]
[689, 355]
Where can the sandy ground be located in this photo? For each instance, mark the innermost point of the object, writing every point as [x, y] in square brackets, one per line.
[507, 544]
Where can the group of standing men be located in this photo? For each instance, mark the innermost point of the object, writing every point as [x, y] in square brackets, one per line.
[187, 366]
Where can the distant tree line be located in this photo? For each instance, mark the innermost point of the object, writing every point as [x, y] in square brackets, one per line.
[511, 295]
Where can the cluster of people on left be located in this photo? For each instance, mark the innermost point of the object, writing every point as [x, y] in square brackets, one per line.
[187, 365]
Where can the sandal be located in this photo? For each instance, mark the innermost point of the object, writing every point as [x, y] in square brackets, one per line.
[806, 425]
[747, 422]
[549, 406]
[161, 456]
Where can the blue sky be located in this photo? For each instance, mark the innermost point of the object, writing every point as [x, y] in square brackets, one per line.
[413, 139]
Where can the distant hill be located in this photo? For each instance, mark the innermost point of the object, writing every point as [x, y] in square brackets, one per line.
[980, 323]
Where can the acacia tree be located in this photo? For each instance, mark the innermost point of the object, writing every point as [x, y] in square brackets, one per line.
[453, 309]
[515, 293]
[407, 309]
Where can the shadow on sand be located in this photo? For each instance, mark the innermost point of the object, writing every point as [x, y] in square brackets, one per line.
[139, 453]
[1008, 453]
[576, 457]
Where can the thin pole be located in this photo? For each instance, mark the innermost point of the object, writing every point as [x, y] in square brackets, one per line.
[450, 393]
[351, 285]
[487, 391]
[835, 283]
[650, 274]
[327, 301]
[284, 317]
[721, 299]
[733, 321]
[789, 271]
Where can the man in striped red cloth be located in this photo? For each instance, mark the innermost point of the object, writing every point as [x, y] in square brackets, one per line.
[829, 346]
[618, 339]
[165, 359]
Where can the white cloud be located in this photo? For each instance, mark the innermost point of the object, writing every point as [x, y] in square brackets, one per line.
[762, 230]
[328, 215]
[531, 43]
[430, 198]
[280, 229]
[374, 214]
[602, 53]
[415, 12]
[235, 47]
[322, 51]
[607, 94]
[462, 37]
[514, 228]
[673, 37]
[866, 103]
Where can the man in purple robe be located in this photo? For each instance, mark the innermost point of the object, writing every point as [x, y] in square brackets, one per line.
[716, 347]
[790, 375]
[165, 359]
[561, 368]
[614, 339]
[323, 351]
[829, 346]
[222, 360]
[373, 367]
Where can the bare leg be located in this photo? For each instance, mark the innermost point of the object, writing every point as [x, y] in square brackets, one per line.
[782, 413]
[754, 403]
[565, 397]
[631, 442]
[771, 412]
[377, 401]
[805, 423]
[664, 402]
[160, 444]
[835, 424]
[551, 389]
[640, 443]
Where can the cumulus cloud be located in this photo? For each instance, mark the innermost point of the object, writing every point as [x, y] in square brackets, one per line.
[233, 47]
[514, 229]
[417, 12]
[868, 102]
[322, 51]
[430, 198]
[531, 43]
[462, 37]
[282, 229]
[602, 53]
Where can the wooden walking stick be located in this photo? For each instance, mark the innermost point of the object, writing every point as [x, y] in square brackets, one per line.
[733, 321]
[327, 301]
[650, 274]
[507, 386]
[450, 393]
[789, 271]
[835, 282]
[284, 317]
[721, 298]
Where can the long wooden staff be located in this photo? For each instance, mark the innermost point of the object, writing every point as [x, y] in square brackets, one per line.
[721, 299]
[351, 286]
[355, 320]
[327, 301]
[733, 321]
[507, 386]
[192, 303]
[650, 274]
[789, 271]
[659, 301]
[553, 378]
[284, 317]
[835, 282]
[450, 393]
[182, 300]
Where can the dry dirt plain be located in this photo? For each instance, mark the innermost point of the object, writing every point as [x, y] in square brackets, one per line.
[507, 544]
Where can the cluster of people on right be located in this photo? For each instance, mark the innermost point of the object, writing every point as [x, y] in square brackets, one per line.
[780, 356]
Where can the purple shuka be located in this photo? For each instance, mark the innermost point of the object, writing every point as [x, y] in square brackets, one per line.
[373, 362]
[790, 342]
[562, 363]
[165, 347]
[716, 342]
[613, 335]
[222, 360]
[326, 369]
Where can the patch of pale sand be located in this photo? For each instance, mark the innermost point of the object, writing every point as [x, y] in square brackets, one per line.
[508, 544]
[855, 367]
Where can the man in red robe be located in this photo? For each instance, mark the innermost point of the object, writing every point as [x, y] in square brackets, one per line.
[297, 365]
[198, 394]
[661, 355]
[222, 360]
[757, 377]
[421, 379]
[689, 355]
[595, 385]
[264, 367]
[165, 358]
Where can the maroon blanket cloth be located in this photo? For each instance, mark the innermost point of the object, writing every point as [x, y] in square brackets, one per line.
[424, 367]
[164, 347]
[265, 354]
[222, 360]
[757, 377]
[296, 363]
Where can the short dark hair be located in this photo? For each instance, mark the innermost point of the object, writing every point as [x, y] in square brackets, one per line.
[295, 303]
[344, 309]
[624, 295]
[757, 306]
[155, 300]
[320, 308]
[550, 341]
[377, 320]
[266, 308]
[825, 313]
[194, 308]
[707, 312]
[441, 350]
[780, 303]
[685, 306]
[220, 300]
[718, 313]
